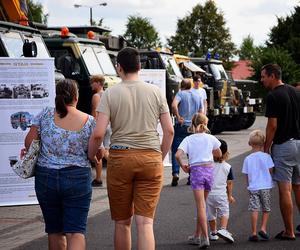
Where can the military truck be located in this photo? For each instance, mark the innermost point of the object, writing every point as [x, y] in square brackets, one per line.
[113, 44]
[236, 111]
[80, 58]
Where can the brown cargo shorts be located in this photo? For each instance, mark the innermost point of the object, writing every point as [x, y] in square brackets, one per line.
[134, 182]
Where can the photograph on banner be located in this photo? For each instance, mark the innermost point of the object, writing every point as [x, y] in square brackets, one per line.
[158, 78]
[26, 86]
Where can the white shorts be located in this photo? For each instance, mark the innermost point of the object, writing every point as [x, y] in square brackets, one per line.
[217, 206]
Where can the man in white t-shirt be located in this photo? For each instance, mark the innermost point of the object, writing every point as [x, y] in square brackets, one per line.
[197, 82]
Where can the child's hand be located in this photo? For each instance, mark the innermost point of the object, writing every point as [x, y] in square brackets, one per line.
[23, 153]
[185, 168]
[231, 199]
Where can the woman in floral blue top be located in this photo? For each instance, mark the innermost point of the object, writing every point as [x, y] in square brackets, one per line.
[63, 171]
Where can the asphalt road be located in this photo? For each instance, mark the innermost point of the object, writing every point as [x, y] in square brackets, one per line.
[175, 220]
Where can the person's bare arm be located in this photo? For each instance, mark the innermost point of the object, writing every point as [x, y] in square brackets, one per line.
[270, 132]
[175, 111]
[97, 135]
[95, 103]
[168, 133]
[217, 153]
[205, 106]
[33, 134]
[229, 191]
[179, 154]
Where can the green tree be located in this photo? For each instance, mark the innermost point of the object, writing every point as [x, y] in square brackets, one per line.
[286, 34]
[265, 55]
[140, 33]
[36, 13]
[201, 31]
[247, 48]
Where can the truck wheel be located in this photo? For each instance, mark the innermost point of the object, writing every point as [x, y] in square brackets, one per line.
[215, 126]
[250, 120]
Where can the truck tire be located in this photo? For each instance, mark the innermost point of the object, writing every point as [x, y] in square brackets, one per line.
[215, 126]
[250, 120]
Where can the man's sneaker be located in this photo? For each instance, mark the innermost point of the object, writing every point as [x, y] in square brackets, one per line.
[204, 243]
[193, 240]
[225, 235]
[213, 236]
[175, 179]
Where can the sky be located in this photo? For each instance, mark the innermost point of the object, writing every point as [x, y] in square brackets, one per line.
[243, 18]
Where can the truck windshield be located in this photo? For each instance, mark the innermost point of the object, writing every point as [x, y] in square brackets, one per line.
[42, 51]
[218, 71]
[171, 65]
[104, 60]
[13, 44]
[90, 59]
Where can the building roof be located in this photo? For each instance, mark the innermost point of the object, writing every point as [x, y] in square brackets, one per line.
[242, 70]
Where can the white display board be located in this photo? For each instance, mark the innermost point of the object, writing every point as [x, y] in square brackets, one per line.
[26, 86]
[158, 78]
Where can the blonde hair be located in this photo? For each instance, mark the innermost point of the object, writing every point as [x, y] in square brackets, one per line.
[199, 124]
[98, 78]
[257, 138]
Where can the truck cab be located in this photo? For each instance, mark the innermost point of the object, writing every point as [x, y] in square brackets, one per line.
[78, 59]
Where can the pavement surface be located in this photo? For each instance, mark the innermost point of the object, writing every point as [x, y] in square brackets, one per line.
[21, 227]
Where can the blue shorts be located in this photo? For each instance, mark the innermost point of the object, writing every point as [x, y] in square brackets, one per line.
[64, 196]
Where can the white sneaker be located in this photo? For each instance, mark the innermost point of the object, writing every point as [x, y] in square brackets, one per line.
[193, 240]
[213, 236]
[204, 243]
[225, 235]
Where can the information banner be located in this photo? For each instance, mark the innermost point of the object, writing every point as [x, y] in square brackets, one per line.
[26, 86]
[158, 78]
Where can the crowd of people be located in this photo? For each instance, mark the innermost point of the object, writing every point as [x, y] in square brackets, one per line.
[71, 141]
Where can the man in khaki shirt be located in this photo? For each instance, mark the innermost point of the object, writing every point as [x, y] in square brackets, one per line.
[135, 169]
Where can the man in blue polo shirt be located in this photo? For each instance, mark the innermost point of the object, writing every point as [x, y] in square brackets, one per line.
[185, 104]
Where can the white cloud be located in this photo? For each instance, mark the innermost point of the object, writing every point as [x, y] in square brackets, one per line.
[254, 17]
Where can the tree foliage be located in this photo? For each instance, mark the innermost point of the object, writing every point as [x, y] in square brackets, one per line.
[36, 12]
[140, 33]
[201, 31]
[247, 48]
[265, 55]
[286, 34]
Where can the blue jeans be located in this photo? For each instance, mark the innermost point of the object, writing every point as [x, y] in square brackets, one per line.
[64, 196]
[180, 133]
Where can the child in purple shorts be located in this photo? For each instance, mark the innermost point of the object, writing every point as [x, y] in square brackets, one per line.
[201, 148]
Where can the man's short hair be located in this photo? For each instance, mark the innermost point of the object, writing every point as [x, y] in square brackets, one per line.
[129, 59]
[196, 78]
[185, 84]
[98, 78]
[272, 68]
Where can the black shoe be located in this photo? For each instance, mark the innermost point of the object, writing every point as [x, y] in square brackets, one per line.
[263, 235]
[298, 228]
[174, 182]
[253, 238]
[188, 181]
[96, 183]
